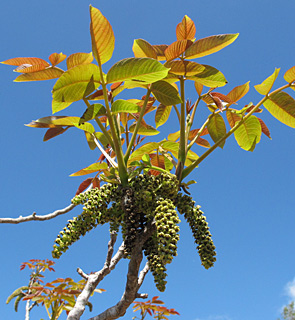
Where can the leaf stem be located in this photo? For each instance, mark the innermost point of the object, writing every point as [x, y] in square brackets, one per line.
[191, 167]
[133, 137]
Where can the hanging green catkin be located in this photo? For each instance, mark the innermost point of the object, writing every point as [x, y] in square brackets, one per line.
[200, 229]
[162, 246]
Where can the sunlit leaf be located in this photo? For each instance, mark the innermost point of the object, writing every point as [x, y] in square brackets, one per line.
[84, 185]
[165, 93]
[238, 92]
[76, 83]
[249, 133]
[186, 29]
[90, 169]
[27, 68]
[264, 128]
[232, 118]
[90, 140]
[210, 77]
[93, 111]
[145, 149]
[144, 70]
[184, 68]
[289, 75]
[206, 46]
[79, 58]
[58, 105]
[102, 138]
[30, 60]
[267, 84]
[124, 106]
[56, 58]
[145, 130]
[157, 161]
[142, 49]
[216, 128]
[175, 49]
[46, 74]
[102, 36]
[282, 106]
[199, 87]
[162, 114]
[160, 50]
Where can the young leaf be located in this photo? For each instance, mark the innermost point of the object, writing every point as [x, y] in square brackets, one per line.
[267, 84]
[27, 68]
[93, 111]
[184, 68]
[157, 161]
[206, 46]
[102, 36]
[216, 128]
[289, 76]
[124, 106]
[186, 29]
[248, 134]
[162, 114]
[79, 58]
[46, 74]
[232, 118]
[145, 130]
[144, 70]
[165, 93]
[210, 77]
[31, 61]
[84, 185]
[76, 83]
[238, 92]
[282, 106]
[198, 87]
[53, 132]
[175, 49]
[56, 58]
[146, 148]
[160, 50]
[90, 169]
[264, 128]
[142, 49]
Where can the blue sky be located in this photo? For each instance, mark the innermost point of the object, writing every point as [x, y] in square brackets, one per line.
[248, 198]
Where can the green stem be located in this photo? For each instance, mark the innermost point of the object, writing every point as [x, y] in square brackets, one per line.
[117, 144]
[134, 134]
[191, 167]
[182, 141]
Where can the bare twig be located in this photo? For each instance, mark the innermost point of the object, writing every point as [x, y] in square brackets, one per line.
[94, 279]
[35, 217]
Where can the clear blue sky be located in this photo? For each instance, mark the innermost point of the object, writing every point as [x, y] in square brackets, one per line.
[248, 197]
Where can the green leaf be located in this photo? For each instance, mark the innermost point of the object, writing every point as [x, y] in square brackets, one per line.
[165, 93]
[210, 77]
[282, 106]
[174, 136]
[289, 76]
[124, 106]
[90, 140]
[58, 105]
[146, 148]
[102, 138]
[145, 130]
[162, 114]
[76, 83]
[142, 49]
[209, 45]
[46, 74]
[248, 134]
[93, 111]
[216, 128]
[102, 36]
[90, 169]
[184, 68]
[267, 84]
[144, 70]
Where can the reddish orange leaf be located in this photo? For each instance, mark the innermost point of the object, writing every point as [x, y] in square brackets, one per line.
[27, 68]
[176, 49]
[221, 97]
[238, 92]
[157, 161]
[53, 132]
[102, 36]
[186, 29]
[84, 185]
[97, 95]
[264, 128]
[56, 58]
[30, 60]
[199, 87]
[232, 118]
[96, 183]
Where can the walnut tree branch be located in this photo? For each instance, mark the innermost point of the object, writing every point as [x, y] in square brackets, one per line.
[35, 217]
